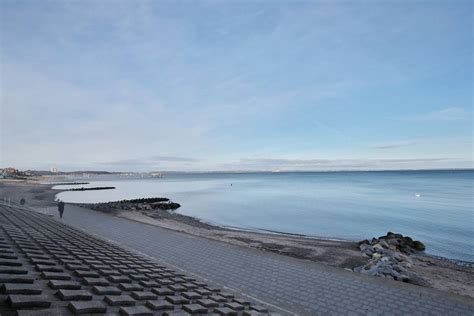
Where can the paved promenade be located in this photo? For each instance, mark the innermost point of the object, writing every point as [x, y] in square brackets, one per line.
[289, 284]
[48, 268]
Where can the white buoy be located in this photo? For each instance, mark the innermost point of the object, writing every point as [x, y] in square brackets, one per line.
[418, 194]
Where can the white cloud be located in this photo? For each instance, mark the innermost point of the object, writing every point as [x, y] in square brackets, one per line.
[446, 114]
[391, 145]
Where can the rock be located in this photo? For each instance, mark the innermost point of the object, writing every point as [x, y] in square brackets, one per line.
[393, 241]
[367, 249]
[383, 243]
[376, 256]
[390, 258]
[418, 245]
[363, 242]
[378, 248]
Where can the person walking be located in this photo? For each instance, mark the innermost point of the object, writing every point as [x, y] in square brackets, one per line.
[61, 209]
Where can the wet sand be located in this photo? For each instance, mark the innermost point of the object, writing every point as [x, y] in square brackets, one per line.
[440, 273]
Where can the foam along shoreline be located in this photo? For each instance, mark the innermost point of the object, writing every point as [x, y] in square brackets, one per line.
[440, 273]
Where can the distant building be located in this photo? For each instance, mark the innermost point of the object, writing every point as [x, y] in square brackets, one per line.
[54, 170]
[10, 173]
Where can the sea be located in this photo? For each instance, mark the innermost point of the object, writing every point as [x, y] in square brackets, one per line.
[435, 207]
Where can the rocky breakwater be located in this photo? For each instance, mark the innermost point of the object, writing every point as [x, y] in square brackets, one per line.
[146, 204]
[390, 258]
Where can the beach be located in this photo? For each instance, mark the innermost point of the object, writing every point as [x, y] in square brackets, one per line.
[440, 273]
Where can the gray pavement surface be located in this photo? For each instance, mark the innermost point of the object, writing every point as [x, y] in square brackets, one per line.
[49, 268]
[290, 285]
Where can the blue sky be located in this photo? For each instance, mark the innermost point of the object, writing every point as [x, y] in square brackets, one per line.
[236, 85]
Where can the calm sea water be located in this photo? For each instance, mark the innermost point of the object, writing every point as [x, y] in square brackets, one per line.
[346, 205]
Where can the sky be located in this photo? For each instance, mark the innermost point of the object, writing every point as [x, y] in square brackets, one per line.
[236, 85]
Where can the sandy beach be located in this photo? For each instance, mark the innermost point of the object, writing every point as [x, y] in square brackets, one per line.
[442, 274]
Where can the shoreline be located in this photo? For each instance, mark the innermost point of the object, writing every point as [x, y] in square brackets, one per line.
[449, 275]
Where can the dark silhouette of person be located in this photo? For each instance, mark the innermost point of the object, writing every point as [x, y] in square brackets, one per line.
[61, 208]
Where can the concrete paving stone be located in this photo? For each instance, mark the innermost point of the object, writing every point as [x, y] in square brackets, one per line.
[10, 262]
[55, 275]
[74, 295]
[235, 306]
[225, 311]
[144, 295]
[13, 270]
[199, 283]
[88, 261]
[162, 291]
[213, 289]
[34, 252]
[47, 312]
[139, 277]
[95, 281]
[159, 305]
[135, 266]
[10, 278]
[27, 248]
[99, 266]
[66, 285]
[130, 287]
[164, 281]
[177, 288]
[42, 261]
[153, 275]
[87, 307]
[119, 279]
[66, 261]
[118, 266]
[64, 257]
[203, 291]
[119, 300]
[77, 266]
[48, 268]
[86, 274]
[259, 308]
[106, 272]
[218, 298]
[11, 288]
[190, 286]
[135, 311]
[195, 309]
[149, 284]
[207, 303]
[178, 280]
[191, 295]
[106, 290]
[177, 299]
[8, 256]
[27, 301]
[226, 295]
[242, 301]
[176, 313]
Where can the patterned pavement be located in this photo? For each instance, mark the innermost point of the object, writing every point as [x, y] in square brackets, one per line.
[48, 268]
[288, 285]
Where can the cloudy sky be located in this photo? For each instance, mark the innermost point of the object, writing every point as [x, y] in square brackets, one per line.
[236, 85]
